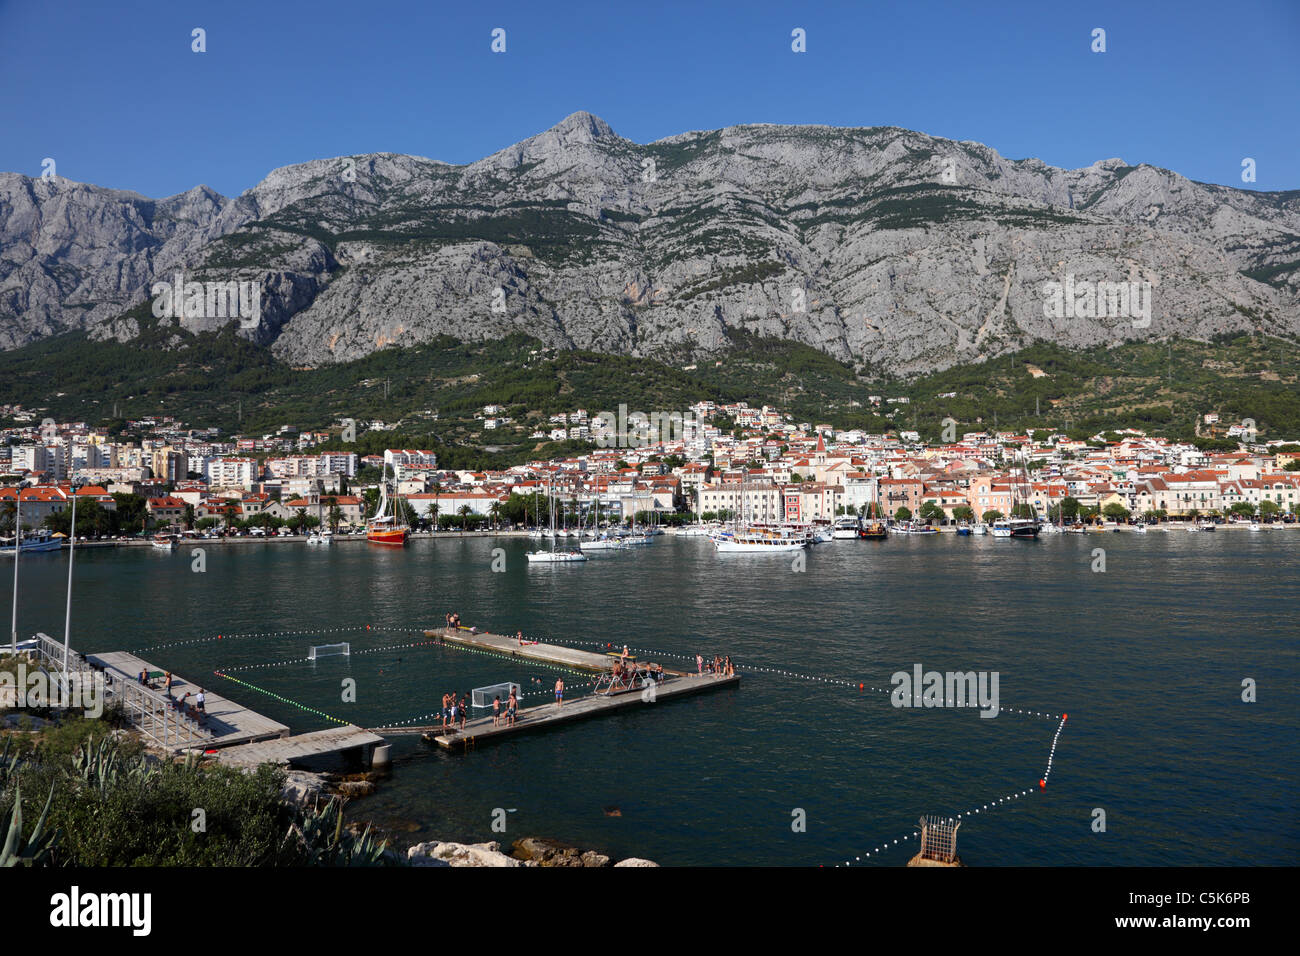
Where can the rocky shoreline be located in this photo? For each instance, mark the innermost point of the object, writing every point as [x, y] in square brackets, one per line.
[302, 787]
[529, 851]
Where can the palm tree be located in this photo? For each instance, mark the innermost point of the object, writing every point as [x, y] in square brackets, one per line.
[464, 512]
[495, 512]
[188, 517]
[335, 514]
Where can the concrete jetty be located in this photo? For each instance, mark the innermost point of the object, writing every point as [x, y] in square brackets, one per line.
[348, 741]
[529, 650]
[675, 684]
[228, 723]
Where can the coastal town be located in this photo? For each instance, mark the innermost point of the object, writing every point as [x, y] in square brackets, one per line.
[708, 463]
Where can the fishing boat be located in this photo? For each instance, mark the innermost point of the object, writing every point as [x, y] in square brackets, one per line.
[963, 529]
[1207, 526]
[980, 528]
[164, 542]
[34, 542]
[1001, 528]
[1140, 528]
[385, 527]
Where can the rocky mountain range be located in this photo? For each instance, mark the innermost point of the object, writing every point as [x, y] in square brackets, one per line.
[882, 247]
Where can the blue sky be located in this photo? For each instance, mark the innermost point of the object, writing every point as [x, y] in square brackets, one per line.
[113, 93]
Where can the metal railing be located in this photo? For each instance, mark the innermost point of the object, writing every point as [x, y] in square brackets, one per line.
[156, 715]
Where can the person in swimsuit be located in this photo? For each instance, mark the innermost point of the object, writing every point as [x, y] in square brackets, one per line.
[699, 666]
[510, 710]
[559, 692]
[462, 714]
[496, 711]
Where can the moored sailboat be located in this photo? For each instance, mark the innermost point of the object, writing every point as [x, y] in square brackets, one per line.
[385, 527]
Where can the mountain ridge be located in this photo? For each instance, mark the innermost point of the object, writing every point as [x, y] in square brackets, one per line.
[880, 246]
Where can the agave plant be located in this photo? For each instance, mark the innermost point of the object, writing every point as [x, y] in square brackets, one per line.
[36, 849]
[8, 764]
[319, 836]
[102, 767]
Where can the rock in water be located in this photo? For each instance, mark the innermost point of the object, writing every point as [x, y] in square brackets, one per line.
[635, 861]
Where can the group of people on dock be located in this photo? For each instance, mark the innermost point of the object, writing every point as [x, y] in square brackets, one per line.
[452, 619]
[197, 711]
[512, 708]
[718, 667]
[454, 710]
[627, 675]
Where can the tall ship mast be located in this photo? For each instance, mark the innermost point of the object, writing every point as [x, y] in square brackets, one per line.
[385, 527]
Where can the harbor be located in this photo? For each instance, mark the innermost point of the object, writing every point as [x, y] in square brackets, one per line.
[689, 766]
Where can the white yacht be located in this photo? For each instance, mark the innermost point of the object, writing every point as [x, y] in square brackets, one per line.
[846, 527]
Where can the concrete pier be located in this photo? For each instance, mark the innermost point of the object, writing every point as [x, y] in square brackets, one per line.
[533, 651]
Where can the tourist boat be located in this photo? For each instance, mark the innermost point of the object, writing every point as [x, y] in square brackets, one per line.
[1017, 527]
[35, 542]
[759, 540]
[845, 528]
[1023, 528]
[980, 528]
[385, 527]
[748, 537]
[1049, 528]
[164, 542]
